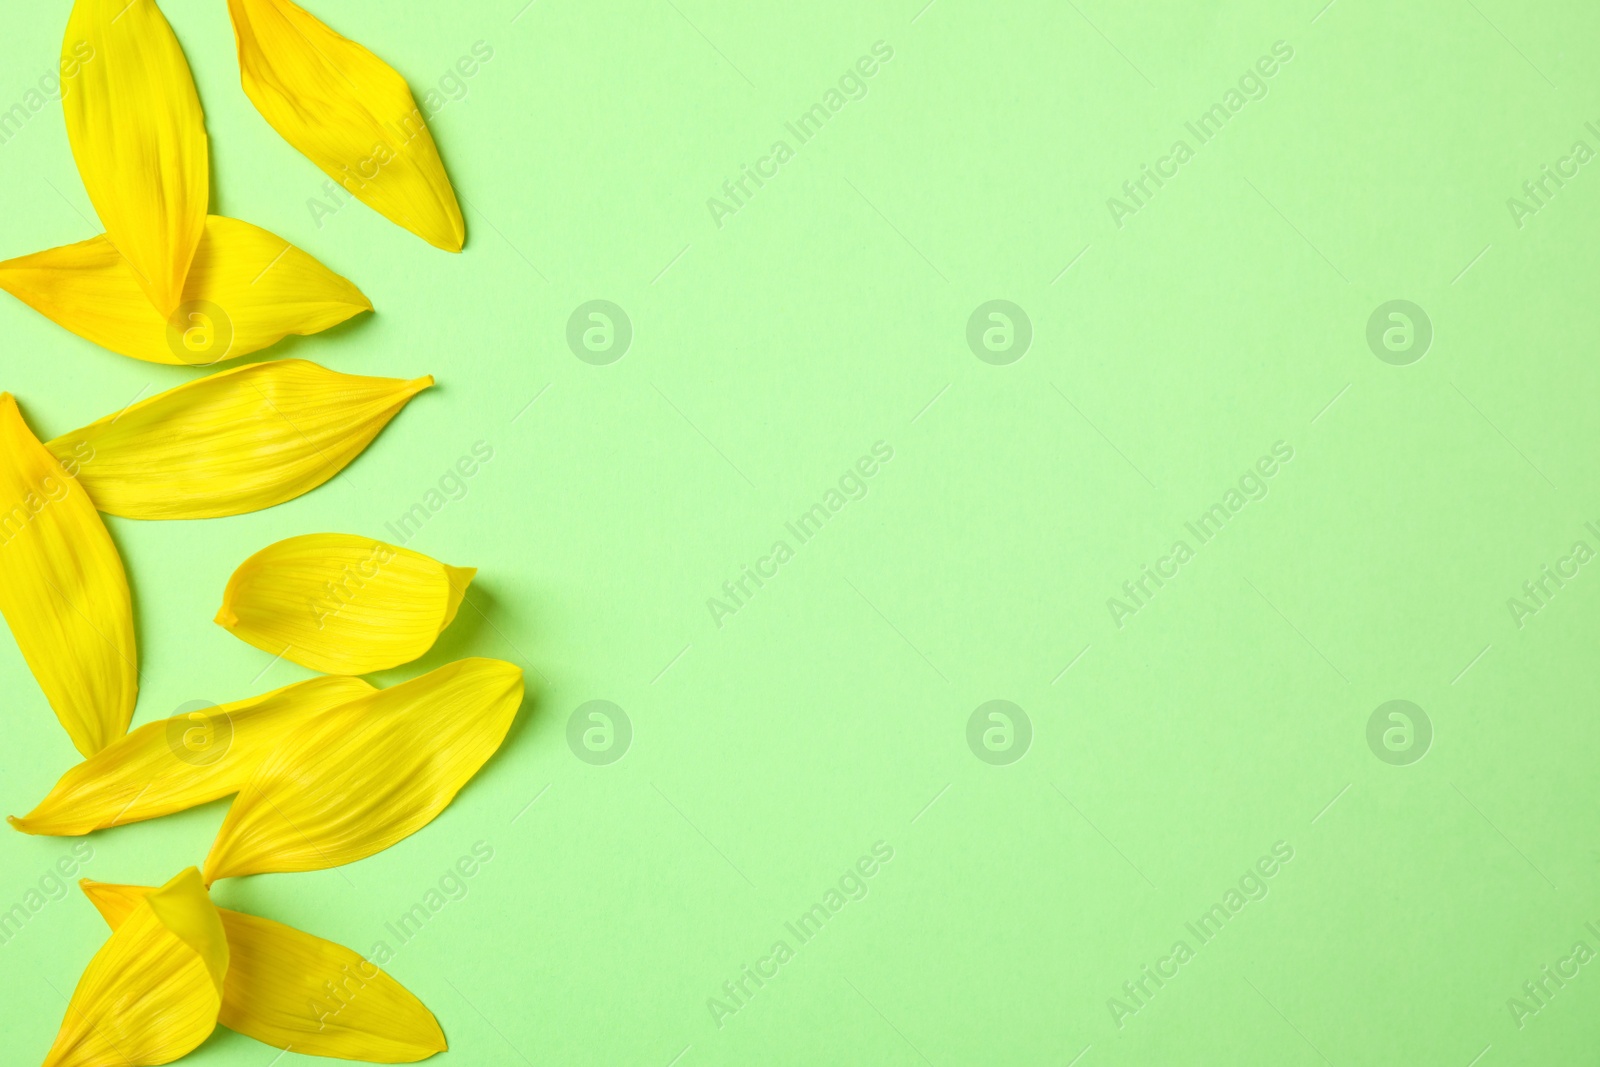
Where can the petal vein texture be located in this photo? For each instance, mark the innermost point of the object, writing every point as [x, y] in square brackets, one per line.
[247, 290]
[370, 774]
[348, 112]
[174, 764]
[278, 989]
[236, 441]
[342, 604]
[63, 590]
[139, 138]
[153, 992]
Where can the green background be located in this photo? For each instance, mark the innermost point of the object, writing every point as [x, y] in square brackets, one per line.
[830, 713]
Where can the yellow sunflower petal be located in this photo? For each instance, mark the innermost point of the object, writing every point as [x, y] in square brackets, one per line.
[153, 991]
[342, 604]
[63, 590]
[291, 990]
[116, 902]
[139, 137]
[235, 441]
[348, 112]
[247, 289]
[174, 764]
[370, 774]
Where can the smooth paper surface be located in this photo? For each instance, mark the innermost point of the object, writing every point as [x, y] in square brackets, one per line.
[967, 485]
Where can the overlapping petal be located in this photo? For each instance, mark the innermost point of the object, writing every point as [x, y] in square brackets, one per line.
[139, 138]
[63, 590]
[174, 764]
[291, 990]
[342, 604]
[232, 442]
[153, 992]
[247, 289]
[350, 113]
[368, 775]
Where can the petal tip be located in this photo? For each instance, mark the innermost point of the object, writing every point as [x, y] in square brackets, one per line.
[226, 618]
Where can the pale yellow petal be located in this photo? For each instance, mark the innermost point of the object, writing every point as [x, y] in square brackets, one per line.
[174, 764]
[152, 993]
[63, 590]
[232, 442]
[291, 990]
[369, 774]
[139, 137]
[247, 289]
[350, 113]
[342, 604]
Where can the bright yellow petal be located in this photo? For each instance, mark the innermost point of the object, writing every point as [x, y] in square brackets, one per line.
[139, 137]
[236, 441]
[153, 991]
[342, 604]
[350, 113]
[369, 774]
[247, 289]
[174, 764]
[115, 902]
[63, 590]
[278, 990]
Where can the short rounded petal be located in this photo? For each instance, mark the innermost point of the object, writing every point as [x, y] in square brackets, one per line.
[342, 604]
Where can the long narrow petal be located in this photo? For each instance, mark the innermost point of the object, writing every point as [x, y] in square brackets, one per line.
[370, 774]
[350, 113]
[342, 604]
[63, 590]
[278, 990]
[247, 290]
[174, 764]
[153, 991]
[139, 137]
[236, 441]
